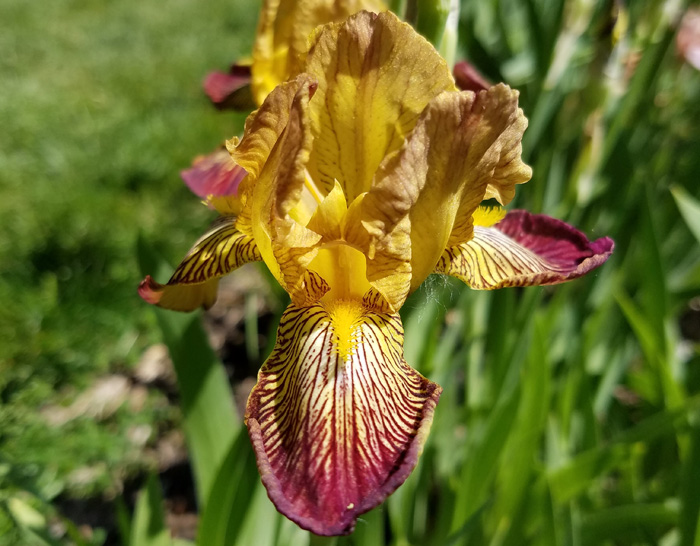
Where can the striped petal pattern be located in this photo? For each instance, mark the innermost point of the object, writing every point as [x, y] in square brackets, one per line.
[524, 249]
[337, 419]
[218, 252]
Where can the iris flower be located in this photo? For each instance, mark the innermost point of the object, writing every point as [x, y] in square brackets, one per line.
[365, 174]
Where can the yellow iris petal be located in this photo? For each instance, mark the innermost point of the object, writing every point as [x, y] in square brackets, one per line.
[328, 217]
[423, 197]
[281, 39]
[524, 249]
[344, 269]
[375, 76]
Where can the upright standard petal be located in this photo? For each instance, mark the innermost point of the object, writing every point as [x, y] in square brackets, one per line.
[337, 419]
[286, 246]
[283, 29]
[375, 76]
[194, 283]
[423, 197]
[524, 249]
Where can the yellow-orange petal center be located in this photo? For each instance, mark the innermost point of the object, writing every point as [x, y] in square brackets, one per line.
[344, 268]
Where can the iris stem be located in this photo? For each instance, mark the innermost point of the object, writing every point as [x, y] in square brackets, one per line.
[437, 21]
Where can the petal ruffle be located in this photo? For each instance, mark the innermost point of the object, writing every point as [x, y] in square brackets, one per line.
[375, 76]
[194, 283]
[422, 199]
[286, 246]
[337, 418]
[264, 127]
[524, 249]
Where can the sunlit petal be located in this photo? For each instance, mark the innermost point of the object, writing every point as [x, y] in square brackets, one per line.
[264, 127]
[286, 246]
[328, 217]
[523, 250]
[375, 76]
[423, 197]
[283, 29]
[218, 252]
[337, 419]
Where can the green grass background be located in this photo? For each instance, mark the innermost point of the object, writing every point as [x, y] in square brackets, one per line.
[570, 414]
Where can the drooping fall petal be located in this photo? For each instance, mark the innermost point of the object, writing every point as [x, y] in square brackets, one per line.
[337, 419]
[214, 174]
[375, 76]
[194, 283]
[524, 249]
[423, 197]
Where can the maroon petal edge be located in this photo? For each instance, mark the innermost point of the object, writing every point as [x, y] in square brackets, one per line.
[557, 242]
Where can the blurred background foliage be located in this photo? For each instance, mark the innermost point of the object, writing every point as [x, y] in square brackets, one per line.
[570, 414]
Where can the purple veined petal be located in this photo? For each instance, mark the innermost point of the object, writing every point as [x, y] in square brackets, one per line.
[214, 174]
[524, 249]
[337, 418]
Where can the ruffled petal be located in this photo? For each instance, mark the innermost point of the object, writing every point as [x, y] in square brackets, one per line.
[218, 252]
[283, 29]
[375, 76]
[286, 246]
[264, 127]
[230, 90]
[524, 249]
[423, 197]
[337, 418]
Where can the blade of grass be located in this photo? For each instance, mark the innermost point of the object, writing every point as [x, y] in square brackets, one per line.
[572, 478]
[689, 208]
[148, 526]
[690, 485]
[636, 522]
[210, 420]
[483, 454]
[231, 494]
